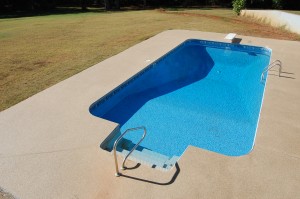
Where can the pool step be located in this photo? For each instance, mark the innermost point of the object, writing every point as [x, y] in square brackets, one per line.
[147, 157]
[150, 159]
[172, 161]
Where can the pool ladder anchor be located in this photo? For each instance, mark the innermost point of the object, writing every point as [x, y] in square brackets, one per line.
[270, 66]
[117, 174]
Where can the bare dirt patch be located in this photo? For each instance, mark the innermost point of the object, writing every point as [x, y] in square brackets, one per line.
[251, 27]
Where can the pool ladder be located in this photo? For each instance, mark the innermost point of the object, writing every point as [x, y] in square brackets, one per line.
[271, 65]
[117, 174]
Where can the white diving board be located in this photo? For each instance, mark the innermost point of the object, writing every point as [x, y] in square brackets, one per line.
[230, 36]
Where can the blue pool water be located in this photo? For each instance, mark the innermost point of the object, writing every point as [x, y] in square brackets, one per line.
[202, 93]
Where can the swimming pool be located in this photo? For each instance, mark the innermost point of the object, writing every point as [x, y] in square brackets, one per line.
[202, 93]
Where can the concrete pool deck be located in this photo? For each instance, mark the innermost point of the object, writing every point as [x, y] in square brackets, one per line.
[49, 146]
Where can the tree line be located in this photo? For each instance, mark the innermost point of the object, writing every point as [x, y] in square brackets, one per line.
[15, 5]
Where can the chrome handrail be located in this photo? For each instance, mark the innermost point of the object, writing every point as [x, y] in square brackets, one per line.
[271, 65]
[116, 143]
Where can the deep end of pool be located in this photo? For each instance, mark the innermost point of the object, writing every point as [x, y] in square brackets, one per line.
[202, 93]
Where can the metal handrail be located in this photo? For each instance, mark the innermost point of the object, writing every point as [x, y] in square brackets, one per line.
[116, 143]
[271, 65]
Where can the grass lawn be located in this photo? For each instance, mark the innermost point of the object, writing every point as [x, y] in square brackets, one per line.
[37, 52]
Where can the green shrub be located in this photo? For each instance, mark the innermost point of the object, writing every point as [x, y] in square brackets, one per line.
[238, 5]
[277, 4]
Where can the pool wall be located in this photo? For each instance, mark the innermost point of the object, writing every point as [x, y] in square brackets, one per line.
[175, 70]
[154, 76]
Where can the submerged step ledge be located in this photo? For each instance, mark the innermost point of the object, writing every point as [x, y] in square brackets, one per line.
[150, 158]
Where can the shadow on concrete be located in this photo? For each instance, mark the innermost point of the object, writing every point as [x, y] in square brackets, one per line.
[282, 76]
[171, 181]
[236, 41]
[287, 74]
[134, 167]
